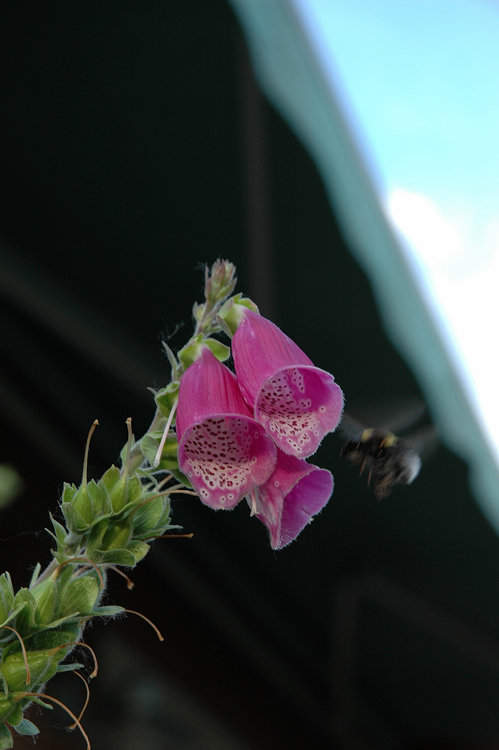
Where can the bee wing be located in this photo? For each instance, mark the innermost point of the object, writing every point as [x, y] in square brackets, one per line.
[424, 441]
[349, 426]
[393, 414]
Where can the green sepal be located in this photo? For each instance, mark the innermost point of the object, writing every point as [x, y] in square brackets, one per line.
[99, 495]
[95, 537]
[80, 595]
[59, 529]
[111, 477]
[148, 516]
[193, 350]
[221, 351]
[82, 503]
[6, 741]
[117, 535]
[139, 550]
[25, 618]
[75, 521]
[232, 312]
[34, 575]
[69, 667]
[167, 397]
[6, 596]
[117, 557]
[180, 477]
[150, 444]
[68, 493]
[13, 614]
[112, 610]
[42, 666]
[16, 715]
[53, 637]
[45, 595]
[27, 728]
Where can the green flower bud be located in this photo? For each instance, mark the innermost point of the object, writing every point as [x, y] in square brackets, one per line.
[231, 314]
[80, 595]
[42, 667]
[117, 536]
[45, 595]
[166, 398]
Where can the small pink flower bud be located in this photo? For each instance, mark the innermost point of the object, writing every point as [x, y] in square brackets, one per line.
[223, 451]
[294, 493]
[297, 403]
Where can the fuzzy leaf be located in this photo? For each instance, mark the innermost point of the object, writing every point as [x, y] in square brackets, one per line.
[26, 727]
[6, 740]
[16, 716]
[166, 397]
[75, 521]
[45, 595]
[117, 557]
[68, 493]
[111, 477]
[139, 550]
[69, 667]
[25, 619]
[80, 595]
[109, 611]
[6, 596]
[97, 494]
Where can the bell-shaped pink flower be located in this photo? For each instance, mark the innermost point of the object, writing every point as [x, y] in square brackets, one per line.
[294, 493]
[297, 403]
[223, 450]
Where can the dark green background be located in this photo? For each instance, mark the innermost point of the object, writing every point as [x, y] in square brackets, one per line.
[127, 159]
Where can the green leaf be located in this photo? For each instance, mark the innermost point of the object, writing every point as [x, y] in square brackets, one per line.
[166, 398]
[147, 517]
[69, 667]
[45, 595]
[221, 351]
[109, 611]
[34, 575]
[75, 521]
[139, 550]
[6, 596]
[97, 494]
[16, 715]
[118, 557]
[25, 619]
[6, 740]
[59, 529]
[96, 535]
[150, 444]
[111, 477]
[68, 493]
[26, 727]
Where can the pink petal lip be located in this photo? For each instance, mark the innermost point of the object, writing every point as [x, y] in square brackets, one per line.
[294, 493]
[297, 403]
[223, 451]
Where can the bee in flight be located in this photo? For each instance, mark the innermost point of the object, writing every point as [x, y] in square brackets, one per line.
[387, 458]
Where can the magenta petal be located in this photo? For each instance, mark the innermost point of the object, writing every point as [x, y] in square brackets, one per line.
[294, 493]
[297, 403]
[223, 451]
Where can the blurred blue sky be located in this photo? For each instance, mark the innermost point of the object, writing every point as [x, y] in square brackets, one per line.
[419, 82]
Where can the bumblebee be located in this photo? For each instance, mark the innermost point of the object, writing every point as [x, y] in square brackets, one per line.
[388, 459]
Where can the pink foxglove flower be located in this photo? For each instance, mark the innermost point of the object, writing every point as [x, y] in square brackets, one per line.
[223, 451]
[297, 403]
[294, 493]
